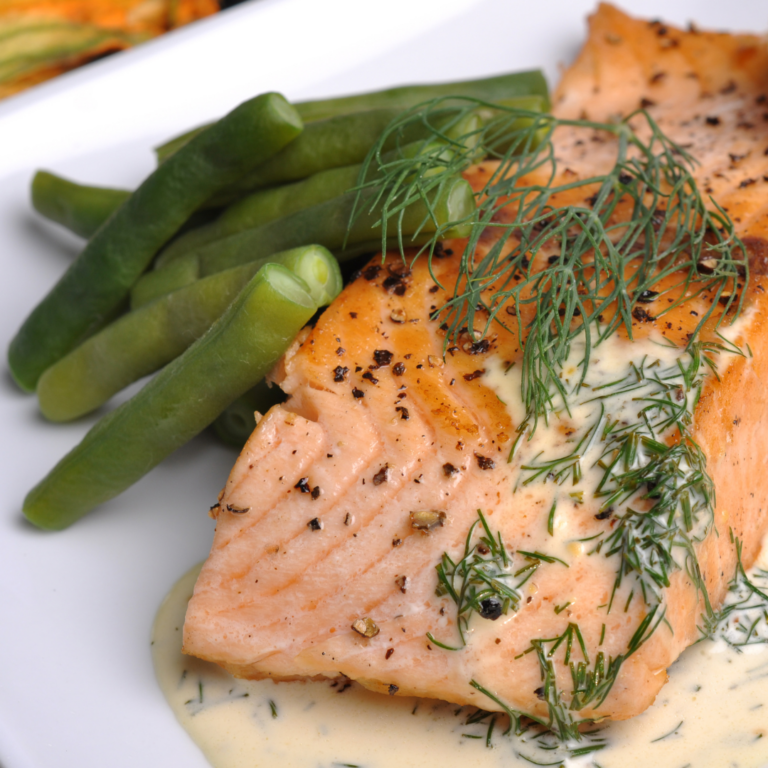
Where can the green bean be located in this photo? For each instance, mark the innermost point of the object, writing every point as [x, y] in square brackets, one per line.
[121, 250]
[492, 89]
[81, 209]
[237, 421]
[181, 401]
[182, 271]
[269, 204]
[328, 224]
[331, 143]
[530, 83]
[144, 340]
[340, 141]
[255, 210]
[170, 147]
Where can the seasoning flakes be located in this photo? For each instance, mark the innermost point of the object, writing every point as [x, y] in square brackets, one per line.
[340, 373]
[366, 627]
[426, 520]
[484, 462]
[383, 357]
[382, 476]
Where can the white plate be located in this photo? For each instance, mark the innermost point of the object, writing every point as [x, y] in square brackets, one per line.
[76, 682]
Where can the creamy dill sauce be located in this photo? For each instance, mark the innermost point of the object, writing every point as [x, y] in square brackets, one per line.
[605, 396]
[712, 714]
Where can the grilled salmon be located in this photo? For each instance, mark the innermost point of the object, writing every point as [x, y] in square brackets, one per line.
[347, 498]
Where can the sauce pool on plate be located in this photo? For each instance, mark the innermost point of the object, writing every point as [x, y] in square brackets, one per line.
[713, 713]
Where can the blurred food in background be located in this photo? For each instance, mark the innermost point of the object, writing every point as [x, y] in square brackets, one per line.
[40, 39]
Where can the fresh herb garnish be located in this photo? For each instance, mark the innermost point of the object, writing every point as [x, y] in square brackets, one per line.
[532, 732]
[591, 682]
[646, 216]
[743, 618]
[480, 581]
[665, 496]
[671, 733]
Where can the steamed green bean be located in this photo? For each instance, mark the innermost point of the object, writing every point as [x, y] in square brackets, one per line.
[80, 208]
[344, 140]
[101, 277]
[269, 204]
[148, 338]
[529, 83]
[235, 424]
[181, 401]
[328, 224]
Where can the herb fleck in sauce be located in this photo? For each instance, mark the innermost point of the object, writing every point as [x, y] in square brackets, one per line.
[713, 713]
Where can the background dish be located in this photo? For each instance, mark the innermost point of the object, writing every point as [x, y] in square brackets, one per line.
[76, 608]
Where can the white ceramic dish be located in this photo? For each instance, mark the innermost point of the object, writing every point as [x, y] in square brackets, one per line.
[76, 681]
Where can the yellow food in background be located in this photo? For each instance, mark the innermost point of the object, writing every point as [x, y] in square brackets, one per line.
[39, 39]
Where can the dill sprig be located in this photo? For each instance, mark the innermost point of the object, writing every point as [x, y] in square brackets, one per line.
[591, 682]
[662, 488]
[665, 500]
[743, 618]
[477, 577]
[665, 503]
[479, 581]
[645, 216]
[644, 222]
[533, 733]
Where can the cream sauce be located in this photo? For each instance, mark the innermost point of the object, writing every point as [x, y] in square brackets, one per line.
[713, 713]
[623, 378]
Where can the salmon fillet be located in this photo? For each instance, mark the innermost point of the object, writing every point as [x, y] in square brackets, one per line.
[318, 566]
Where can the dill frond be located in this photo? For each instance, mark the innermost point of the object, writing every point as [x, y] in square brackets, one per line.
[480, 581]
[670, 230]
